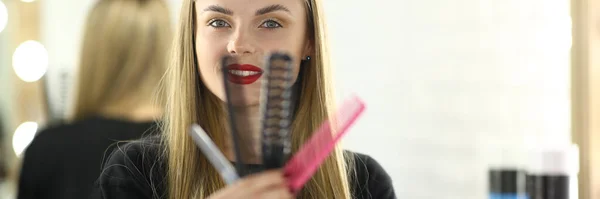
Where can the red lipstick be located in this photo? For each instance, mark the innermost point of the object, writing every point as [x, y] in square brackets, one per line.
[243, 73]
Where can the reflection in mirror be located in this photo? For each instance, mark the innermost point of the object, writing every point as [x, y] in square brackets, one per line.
[84, 76]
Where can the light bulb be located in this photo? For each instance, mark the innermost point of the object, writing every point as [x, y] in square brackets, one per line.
[23, 136]
[30, 61]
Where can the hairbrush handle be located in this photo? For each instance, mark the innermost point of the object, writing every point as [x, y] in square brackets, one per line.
[213, 154]
[226, 61]
[276, 110]
[307, 160]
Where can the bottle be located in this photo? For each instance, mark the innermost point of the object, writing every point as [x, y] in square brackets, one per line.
[552, 173]
[507, 183]
[507, 174]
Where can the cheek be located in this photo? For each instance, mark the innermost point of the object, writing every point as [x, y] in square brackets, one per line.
[296, 72]
[290, 43]
[208, 54]
[209, 49]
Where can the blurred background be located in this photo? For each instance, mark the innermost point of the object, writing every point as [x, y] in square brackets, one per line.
[452, 87]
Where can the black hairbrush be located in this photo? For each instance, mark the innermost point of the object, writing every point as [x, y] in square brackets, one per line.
[230, 95]
[276, 108]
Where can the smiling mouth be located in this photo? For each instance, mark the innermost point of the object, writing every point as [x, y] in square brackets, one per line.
[243, 73]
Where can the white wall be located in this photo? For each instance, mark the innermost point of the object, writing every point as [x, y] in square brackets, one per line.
[444, 81]
[447, 81]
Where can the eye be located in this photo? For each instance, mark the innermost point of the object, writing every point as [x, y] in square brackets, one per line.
[217, 23]
[270, 24]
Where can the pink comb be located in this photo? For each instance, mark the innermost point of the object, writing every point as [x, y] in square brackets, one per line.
[300, 168]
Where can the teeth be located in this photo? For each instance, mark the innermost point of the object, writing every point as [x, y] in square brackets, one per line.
[243, 73]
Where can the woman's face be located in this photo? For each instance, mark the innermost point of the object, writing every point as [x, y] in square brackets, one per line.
[249, 30]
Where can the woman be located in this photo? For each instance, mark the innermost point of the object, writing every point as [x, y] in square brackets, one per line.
[122, 61]
[172, 167]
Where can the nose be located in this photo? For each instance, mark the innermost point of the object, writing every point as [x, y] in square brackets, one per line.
[240, 43]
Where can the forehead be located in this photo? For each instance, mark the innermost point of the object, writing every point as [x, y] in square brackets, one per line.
[241, 7]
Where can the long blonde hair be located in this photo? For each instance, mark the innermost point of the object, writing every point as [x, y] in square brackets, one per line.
[189, 174]
[124, 56]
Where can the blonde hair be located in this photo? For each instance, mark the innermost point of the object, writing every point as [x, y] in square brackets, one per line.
[188, 101]
[123, 56]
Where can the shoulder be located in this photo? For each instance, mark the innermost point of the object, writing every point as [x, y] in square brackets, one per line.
[48, 138]
[368, 167]
[96, 130]
[369, 178]
[41, 150]
[132, 159]
[85, 134]
[54, 132]
[133, 170]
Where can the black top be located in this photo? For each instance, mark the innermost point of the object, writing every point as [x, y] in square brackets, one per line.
[133, 172]
[63, 162]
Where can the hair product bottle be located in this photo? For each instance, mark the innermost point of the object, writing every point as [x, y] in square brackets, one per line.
[552, 173]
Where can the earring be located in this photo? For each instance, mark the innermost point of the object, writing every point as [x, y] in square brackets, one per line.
[307, 58]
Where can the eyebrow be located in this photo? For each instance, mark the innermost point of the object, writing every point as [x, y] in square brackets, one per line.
[219, 9]
[272, 8]
[262, 11]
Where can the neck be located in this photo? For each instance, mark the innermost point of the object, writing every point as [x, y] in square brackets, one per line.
[249, 136]
[139, 113]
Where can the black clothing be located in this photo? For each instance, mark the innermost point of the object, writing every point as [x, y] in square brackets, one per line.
[135, 171]
[64, 161]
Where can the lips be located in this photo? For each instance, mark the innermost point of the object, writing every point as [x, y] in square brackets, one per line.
[243, 73]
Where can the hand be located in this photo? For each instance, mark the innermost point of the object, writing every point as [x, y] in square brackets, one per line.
[265, 185]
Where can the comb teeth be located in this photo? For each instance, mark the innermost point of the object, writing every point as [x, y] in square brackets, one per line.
[307, 160]
[276, 106]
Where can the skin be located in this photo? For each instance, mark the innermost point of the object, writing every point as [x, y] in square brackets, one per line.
[239, 28]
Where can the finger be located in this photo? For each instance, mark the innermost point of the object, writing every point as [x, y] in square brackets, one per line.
[253, 185]
[262, 181]
[280, 193]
